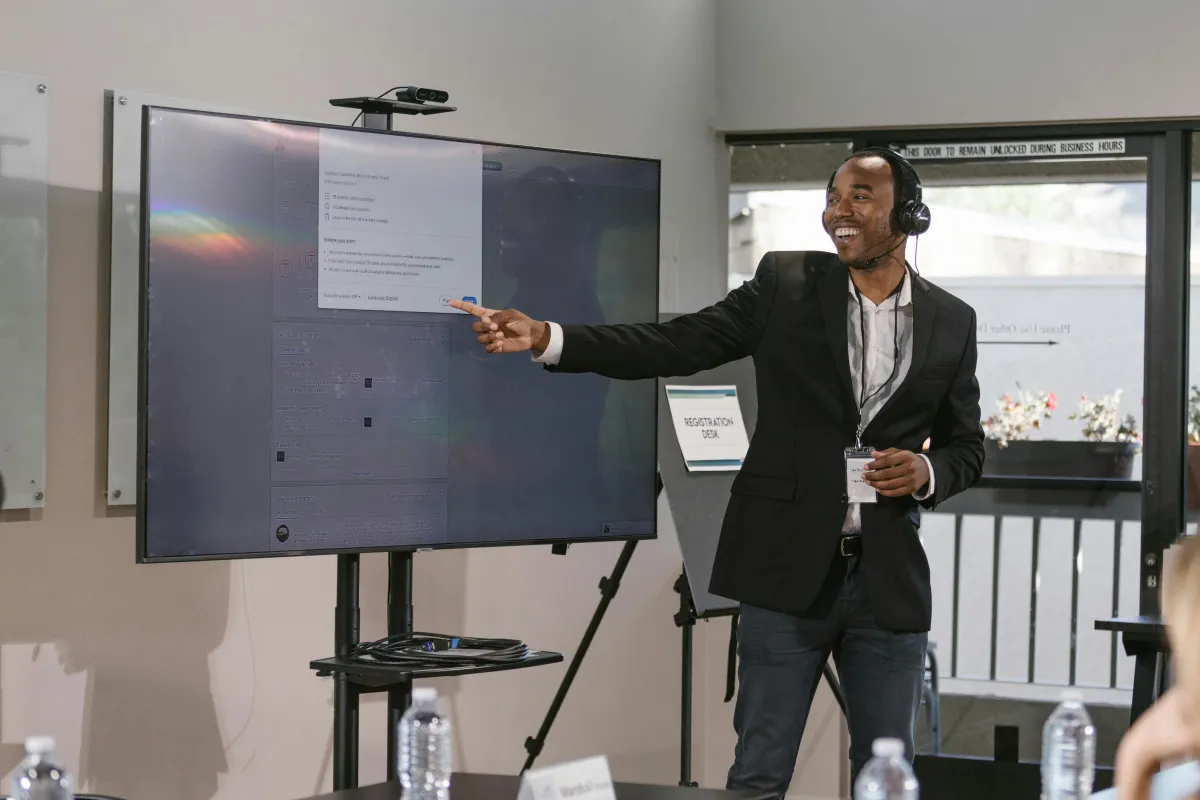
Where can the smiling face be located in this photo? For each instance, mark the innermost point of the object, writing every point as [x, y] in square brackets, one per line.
[858, 209]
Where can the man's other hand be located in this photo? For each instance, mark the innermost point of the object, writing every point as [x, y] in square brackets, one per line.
[897, 473]
[507, 330]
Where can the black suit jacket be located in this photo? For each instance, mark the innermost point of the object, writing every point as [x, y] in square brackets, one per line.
[788, 504]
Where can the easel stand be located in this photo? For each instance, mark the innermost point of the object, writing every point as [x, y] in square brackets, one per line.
[608, 590]
[685, 620]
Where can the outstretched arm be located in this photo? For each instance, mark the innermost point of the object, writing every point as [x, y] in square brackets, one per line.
[718, 334]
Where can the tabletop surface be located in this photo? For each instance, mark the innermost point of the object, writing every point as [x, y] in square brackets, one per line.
[1148, 625]
[504, 787]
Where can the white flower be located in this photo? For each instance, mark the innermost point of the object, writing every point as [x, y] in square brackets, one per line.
[1102, 422]
[1018, 418]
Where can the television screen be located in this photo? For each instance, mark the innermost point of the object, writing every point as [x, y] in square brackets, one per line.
[306, 388]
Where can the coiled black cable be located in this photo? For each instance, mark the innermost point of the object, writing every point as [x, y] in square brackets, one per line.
[439, 650]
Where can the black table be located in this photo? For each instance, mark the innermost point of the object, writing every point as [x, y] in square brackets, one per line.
[944, 777]
[465, 786]
[1144, 638]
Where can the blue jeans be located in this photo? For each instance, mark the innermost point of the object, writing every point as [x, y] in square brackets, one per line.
[780, 662]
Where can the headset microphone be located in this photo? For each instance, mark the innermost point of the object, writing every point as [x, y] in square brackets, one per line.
[910, 215]
[871, 262]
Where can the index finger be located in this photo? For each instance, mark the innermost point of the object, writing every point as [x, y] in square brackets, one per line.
[887, 459]
[470, 308]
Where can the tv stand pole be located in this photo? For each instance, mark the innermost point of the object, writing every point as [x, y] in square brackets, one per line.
[353, 679]
[345, 691]
[377, 115]
[345, 694]
[350, 678]
[400, 621]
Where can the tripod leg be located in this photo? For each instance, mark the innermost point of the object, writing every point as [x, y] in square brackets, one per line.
[685, 708]
[608, 588]
[935, 703]
[834, 687]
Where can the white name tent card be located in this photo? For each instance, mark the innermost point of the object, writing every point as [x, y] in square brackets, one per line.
[585, 779]
[709, 427]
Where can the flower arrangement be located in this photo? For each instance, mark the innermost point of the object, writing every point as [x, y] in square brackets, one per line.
[1018, 417]
[1102, 422]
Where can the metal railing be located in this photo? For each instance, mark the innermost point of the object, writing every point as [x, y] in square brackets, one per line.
[1019, 578]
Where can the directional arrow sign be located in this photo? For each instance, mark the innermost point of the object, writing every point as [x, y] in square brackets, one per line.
[1015, 341]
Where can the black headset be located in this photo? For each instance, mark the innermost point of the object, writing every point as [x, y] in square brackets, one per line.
[910, 213]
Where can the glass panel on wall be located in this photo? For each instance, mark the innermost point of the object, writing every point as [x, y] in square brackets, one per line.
[1051, 254]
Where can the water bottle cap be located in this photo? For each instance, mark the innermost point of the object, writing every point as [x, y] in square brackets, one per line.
[39, 745]
[887, 748]
[1072, 696]
[424, 695]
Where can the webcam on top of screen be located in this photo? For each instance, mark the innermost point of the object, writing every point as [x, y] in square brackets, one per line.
[421, 94]
[411, 100]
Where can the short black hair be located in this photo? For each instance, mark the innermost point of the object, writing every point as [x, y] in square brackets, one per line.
[906, 184]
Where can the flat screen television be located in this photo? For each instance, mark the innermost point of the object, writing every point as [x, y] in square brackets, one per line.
[304, 386]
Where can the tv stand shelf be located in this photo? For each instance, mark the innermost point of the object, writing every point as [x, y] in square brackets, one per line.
[352, 678]
[384, 676]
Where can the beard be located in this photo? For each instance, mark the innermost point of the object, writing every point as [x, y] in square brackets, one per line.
[866, 262]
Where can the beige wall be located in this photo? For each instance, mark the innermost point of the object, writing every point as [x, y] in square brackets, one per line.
[783, 65]
[190, 681]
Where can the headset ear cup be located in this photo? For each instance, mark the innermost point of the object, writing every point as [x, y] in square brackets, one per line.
[919, 218]
[912, 219]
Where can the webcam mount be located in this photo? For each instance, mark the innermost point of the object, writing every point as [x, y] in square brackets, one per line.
[377, 112]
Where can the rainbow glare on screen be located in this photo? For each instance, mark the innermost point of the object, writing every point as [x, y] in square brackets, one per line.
[198, 234]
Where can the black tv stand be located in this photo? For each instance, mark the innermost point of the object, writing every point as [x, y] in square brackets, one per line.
[352, 679]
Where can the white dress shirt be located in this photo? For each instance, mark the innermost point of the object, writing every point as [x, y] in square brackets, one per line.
[887, 325]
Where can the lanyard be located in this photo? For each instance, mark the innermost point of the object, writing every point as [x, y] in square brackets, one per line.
[863, 397]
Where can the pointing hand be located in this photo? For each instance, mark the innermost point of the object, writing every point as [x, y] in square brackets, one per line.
[507, 330]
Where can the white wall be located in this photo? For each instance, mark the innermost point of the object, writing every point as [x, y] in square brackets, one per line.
[786, 65]
[191, 681]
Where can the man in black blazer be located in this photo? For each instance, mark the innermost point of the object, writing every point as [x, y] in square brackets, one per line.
[821, 551]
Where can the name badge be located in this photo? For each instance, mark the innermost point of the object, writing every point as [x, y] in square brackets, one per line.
[857, 488]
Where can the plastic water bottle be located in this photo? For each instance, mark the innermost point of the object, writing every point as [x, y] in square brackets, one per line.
[1068, 751]
[41, 776]
[425, 749]
[887, 776]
